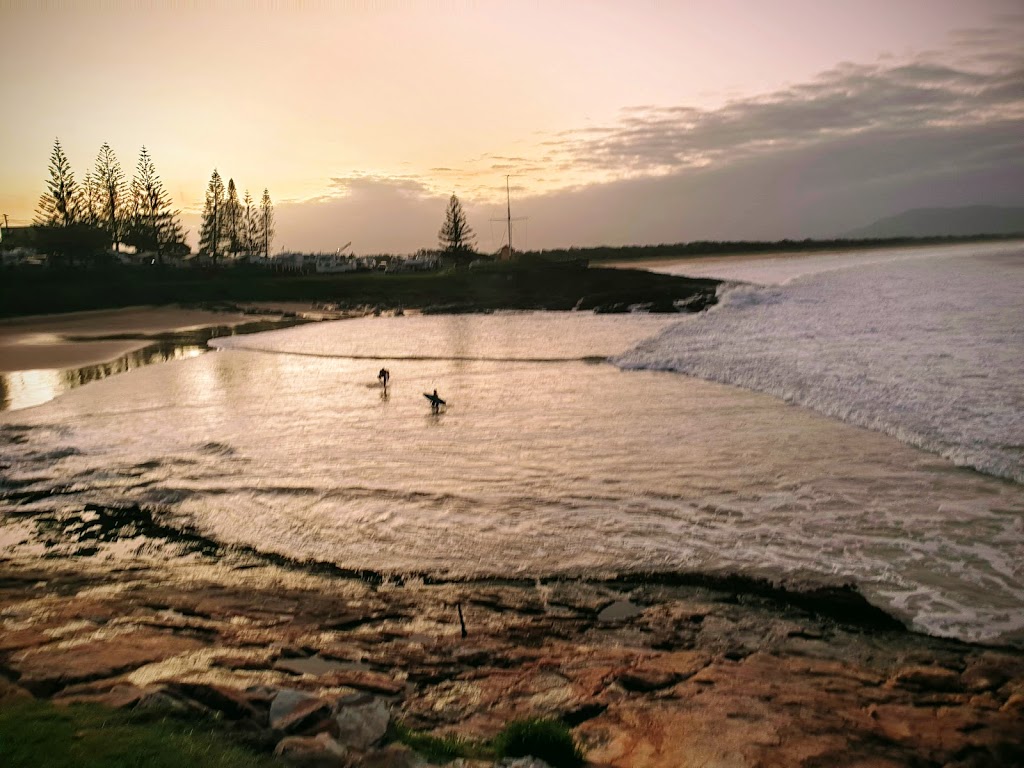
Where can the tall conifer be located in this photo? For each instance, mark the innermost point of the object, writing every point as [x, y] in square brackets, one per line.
[266, 224]
[456, 237]
[109, 179]
[234, 227]
[153, 225]
[211, 236]
[58, 206]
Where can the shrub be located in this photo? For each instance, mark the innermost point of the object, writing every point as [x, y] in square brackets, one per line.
[547, 739]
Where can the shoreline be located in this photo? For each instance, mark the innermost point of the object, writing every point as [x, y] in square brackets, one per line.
[43, 356]
[96, 337]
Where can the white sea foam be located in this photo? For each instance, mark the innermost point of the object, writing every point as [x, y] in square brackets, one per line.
[926, 345]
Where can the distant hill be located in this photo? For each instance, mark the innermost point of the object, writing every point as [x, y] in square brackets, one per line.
[943, 222]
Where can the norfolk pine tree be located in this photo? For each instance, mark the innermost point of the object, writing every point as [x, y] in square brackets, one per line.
[266, 224]
[111, 185]
[456, 237]
[60, 231]
[234, 225]
[250, 221]
[153, 226]
[211, 235]
[58, 206]
[91, 203]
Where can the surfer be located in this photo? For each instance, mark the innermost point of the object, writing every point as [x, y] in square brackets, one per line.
[383, 376]
[435, 401]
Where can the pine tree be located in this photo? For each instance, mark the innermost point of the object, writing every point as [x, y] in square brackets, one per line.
[250, 221]
[153, 225]
[266, 225]
[211, 236]
[58, 206]
[62, 231]
[89, 212]
[110, 181]
[234, 228]
[456, 237]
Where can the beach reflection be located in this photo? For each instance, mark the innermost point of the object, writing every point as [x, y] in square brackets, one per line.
[25, 389]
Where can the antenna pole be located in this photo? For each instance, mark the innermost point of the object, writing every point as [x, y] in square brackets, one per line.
[508, 198]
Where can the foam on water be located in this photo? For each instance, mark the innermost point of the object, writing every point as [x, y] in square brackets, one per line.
[544, 463]
[926, 345]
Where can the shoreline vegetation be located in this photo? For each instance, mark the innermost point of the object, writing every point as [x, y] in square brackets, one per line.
[519, 285]
[559, 279]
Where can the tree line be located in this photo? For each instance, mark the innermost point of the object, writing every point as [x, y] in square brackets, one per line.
[233, 228]
[81, 223]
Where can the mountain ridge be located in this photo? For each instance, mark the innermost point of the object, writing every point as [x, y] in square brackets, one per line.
[941, 222]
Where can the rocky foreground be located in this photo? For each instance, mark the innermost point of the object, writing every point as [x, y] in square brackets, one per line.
[647, 674]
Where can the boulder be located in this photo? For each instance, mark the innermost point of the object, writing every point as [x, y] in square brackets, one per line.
[320, 750]
[362, 720]
[283, 702]
[299, 713]
[46, 670]
[937, 679]
[118, 695]
[232, 704]
[393, 756]
[362, 680]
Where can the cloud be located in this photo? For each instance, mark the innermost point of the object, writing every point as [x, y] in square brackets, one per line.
[858, 142]
[849, 100]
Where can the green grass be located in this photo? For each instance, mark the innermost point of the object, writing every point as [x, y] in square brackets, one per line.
[556, 287]
[548, 739]
[37, 733]
[440, 749]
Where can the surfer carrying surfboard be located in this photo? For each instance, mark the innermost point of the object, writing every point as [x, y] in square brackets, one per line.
[383, 376]
[435, 401]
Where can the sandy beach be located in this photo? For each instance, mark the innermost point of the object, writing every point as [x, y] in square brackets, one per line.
[76, 339]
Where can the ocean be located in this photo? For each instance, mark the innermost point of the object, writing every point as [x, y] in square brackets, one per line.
[836, 418]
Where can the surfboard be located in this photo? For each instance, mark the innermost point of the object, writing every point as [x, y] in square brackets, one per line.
[434, 399]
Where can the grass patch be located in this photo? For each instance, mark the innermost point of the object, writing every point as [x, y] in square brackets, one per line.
[554, 287]
[37, 733]
[547, 739]
[440, 749]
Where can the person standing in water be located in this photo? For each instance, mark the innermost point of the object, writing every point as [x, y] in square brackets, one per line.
[383, 376]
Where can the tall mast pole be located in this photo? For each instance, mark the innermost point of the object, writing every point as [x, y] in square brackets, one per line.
[508, 198]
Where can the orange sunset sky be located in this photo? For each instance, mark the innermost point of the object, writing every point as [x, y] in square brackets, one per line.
[639, 122]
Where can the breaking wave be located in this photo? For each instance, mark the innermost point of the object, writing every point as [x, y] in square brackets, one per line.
[928, 349]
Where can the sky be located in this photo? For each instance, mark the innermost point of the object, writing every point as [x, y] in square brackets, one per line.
[616, 123]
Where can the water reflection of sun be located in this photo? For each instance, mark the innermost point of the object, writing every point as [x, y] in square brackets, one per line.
[26, 389]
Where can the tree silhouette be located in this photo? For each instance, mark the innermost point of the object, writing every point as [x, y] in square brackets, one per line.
[60, 230]
[234, 225]
[110, 183]
[456, 237]
[266, 224]
[211, 235]
[91, 202]
[250, 221]
[58, 206]
[153, 225]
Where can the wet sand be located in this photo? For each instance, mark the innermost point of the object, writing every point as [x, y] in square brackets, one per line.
[76, 339]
